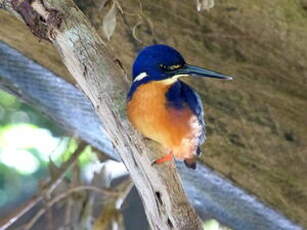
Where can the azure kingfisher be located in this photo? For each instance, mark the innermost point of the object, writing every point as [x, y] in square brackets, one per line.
[165, 109]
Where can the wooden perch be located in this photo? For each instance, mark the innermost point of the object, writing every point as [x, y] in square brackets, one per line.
[99, 76]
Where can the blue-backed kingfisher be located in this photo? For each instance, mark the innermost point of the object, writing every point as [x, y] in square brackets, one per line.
[165, 109]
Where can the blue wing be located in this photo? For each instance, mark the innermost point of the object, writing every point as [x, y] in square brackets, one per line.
[180, 95]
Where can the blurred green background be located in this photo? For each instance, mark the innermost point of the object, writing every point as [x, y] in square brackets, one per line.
[28, 142]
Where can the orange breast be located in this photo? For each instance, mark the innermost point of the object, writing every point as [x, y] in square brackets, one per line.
[175, 129]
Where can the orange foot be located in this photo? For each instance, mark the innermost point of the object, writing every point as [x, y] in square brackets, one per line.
[166, 158]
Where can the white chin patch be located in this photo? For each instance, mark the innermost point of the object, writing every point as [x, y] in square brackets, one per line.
[172, 79]
[140, 77]
[180, 75]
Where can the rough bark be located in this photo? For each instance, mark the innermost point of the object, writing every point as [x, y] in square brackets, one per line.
[98, 75]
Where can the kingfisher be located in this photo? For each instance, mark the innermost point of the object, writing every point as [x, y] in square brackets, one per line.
[165, 109]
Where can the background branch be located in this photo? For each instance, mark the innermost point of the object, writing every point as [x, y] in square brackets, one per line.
[47, 189]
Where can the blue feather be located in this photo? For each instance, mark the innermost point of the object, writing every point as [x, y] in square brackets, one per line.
[149, 60]
[179, 95]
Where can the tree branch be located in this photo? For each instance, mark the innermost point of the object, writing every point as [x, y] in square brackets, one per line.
[47, 189]
[98, 75]
[53, 201]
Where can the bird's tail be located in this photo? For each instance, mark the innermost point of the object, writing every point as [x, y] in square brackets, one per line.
[190, 163]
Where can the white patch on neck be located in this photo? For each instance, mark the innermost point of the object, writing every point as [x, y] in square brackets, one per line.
[173, 79]
[140, 77]
[180, 75]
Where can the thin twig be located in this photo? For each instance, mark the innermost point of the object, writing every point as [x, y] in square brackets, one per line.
[49, 204]
[11, 219]
[50, 221]
[122, 197]
[134, 30]
[48, 188]
[68, 212]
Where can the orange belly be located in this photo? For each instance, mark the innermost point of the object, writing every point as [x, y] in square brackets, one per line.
[175, 129]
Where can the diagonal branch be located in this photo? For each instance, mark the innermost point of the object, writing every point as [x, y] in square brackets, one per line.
[94, 68]
[46, 190]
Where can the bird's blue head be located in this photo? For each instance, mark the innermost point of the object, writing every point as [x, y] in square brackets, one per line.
[161, 62]
[156, 61]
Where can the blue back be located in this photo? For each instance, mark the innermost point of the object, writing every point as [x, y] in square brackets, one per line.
[181, 95]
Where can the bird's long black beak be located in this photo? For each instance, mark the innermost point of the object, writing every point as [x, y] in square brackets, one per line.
[201, 72]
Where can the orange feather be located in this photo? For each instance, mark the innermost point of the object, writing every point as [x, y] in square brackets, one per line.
[175, 129]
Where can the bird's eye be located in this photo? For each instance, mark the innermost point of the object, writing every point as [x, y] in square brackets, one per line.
[170, 68]
[174, 67]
